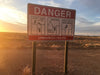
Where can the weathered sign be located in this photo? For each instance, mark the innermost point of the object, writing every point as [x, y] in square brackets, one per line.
[50, 23]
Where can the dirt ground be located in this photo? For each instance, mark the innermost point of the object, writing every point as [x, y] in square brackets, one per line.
[50, 62]
[16, 56]
[80, 62]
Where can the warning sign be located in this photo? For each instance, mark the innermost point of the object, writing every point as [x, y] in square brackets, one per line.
[53, 26]
[50, 23]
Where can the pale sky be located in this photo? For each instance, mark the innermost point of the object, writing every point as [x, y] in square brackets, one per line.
[13, 14]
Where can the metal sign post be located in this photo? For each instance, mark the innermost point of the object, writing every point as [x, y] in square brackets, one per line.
[34, 57]
[66, 58]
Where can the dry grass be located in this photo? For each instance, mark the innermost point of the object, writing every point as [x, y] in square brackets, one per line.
[14, 41]
[16, 56]
[20, 41]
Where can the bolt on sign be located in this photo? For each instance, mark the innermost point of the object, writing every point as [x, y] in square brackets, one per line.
[50, 23]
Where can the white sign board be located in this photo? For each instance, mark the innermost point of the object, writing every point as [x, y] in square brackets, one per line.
[50, 23]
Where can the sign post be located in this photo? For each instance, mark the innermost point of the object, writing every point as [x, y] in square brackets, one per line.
[50, 23]
[66, 58]
[34, 57]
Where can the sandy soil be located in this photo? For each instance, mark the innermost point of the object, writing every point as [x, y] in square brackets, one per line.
[16, 56]
[80, 62]
[50, 62]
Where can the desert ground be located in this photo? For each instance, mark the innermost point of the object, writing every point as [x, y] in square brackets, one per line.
[16, 55]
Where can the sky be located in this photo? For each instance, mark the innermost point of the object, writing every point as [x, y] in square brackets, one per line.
[13, 14]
